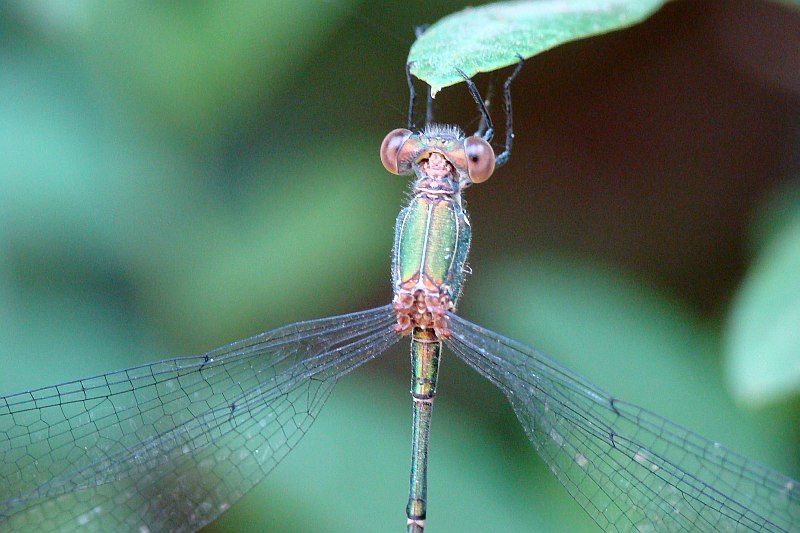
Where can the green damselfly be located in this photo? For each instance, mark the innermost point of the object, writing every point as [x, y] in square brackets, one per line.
[171, 445]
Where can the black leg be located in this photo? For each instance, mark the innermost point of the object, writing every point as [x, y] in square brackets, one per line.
[488, 100]
[473, 90]
[418, 31]
[412, 96]
[428, 106]
[503, 157]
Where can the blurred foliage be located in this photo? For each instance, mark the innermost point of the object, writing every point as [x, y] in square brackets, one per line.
[176, 176]
[763, 337]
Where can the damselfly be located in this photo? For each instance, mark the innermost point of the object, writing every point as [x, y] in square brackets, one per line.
[169, 446]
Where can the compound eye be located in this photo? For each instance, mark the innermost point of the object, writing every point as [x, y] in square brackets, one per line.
[480, 159]
[390, 149]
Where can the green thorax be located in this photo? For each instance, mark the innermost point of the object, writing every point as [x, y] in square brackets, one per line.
[432, 237]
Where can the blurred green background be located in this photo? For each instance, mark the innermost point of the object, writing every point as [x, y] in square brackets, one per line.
[179, 175]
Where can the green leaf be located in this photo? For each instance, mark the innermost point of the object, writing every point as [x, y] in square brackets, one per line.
[776, 213]
[489, 37]
[763, 336]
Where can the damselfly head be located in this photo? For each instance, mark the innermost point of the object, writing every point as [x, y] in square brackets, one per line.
[472, 158]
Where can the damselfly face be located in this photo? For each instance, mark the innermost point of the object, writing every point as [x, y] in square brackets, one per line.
[470, 159]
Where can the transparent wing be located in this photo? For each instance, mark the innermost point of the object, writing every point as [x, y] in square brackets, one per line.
[630, 469]
[168, 446]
